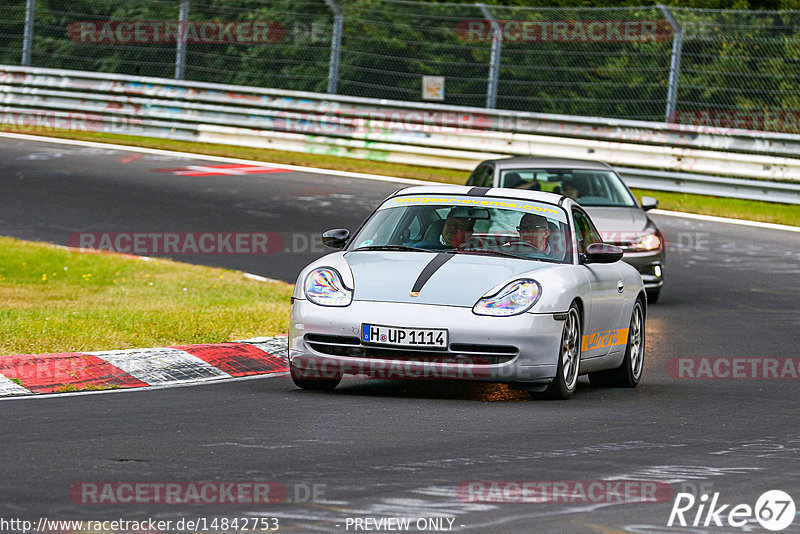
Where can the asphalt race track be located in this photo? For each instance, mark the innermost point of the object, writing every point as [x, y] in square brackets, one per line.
[392, 449]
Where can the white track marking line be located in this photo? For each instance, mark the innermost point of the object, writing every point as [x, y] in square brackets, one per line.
[191, 169]
[259, 278]
[725, 220]
[348, 174]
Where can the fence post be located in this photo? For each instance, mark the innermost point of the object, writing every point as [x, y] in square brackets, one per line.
[494, 60]
[180, 49]
[27, 36]
[675, 62]
[336, 46]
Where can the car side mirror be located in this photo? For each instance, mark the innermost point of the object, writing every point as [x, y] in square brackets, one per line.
[601, 253]
[336, 238]
[649, 203]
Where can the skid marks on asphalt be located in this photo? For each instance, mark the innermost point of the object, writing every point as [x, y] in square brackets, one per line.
[527, 457]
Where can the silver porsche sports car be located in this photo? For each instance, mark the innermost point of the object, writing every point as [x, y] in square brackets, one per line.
[471, 283]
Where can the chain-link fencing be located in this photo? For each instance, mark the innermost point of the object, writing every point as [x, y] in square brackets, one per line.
[709, 67]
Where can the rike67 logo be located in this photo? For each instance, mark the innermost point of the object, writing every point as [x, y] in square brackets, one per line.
[774, 510]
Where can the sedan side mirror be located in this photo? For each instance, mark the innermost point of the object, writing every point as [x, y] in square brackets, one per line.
[601, 253]
[649, 203]
[336, 238]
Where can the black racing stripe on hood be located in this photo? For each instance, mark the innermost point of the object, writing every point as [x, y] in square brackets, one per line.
[433, 266]
[478, 191]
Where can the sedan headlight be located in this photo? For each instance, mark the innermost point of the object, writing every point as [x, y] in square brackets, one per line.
[515, 298]
[645, 243]
[324, 286]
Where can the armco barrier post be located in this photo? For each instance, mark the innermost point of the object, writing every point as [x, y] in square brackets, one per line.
[336, 46]
[675, 62]
[27, 37]
[180, 49]
[494, 60]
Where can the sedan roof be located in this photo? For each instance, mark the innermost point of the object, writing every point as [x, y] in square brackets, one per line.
[520, 162]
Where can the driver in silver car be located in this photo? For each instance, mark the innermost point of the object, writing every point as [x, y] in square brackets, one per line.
[533, 234]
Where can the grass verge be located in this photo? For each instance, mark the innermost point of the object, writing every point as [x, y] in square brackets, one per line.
[56, 300]
[707, 205]
[734, 208]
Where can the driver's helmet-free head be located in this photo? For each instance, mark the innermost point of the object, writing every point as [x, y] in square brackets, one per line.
[576, 183]
[512, 179]
[532, 220]
[458, 227]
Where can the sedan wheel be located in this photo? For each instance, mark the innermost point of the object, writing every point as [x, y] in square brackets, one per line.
[569, 359]
[652, 295]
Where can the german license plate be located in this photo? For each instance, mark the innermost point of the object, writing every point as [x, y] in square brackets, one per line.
[404, 337]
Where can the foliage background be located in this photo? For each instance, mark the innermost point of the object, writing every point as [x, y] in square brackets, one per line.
[746, 60]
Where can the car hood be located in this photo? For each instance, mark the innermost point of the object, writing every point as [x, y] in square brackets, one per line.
[618, 225]
[461, 281]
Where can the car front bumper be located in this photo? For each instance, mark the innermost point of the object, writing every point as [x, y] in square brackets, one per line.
[521, 349]
[650, 265]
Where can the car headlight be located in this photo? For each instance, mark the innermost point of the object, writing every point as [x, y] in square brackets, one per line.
[324, 286]
[515, 298]
[645, 243]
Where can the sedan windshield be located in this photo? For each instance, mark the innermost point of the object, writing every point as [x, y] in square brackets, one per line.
[589, 187]
[470, 225]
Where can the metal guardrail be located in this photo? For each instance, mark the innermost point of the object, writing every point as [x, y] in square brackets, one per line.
[652, 155]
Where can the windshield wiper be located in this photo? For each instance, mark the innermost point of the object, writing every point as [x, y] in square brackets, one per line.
[492, 252]
[487, 251]
[391, 247]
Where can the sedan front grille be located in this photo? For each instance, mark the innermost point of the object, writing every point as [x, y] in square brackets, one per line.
[460, 353]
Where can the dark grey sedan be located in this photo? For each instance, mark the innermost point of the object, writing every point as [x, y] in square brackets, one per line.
[598, 188]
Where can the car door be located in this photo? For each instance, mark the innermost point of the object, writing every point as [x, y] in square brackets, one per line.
[605, 295]
[482, 176]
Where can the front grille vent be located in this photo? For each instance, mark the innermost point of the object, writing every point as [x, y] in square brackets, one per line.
[458, 353]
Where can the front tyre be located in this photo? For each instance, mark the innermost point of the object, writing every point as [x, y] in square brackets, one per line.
[653, 294]
[628, 374]
[312, 380]
[569, 358]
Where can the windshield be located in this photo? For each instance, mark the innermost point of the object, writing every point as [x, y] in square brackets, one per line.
[589, 187]
[470, 225]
